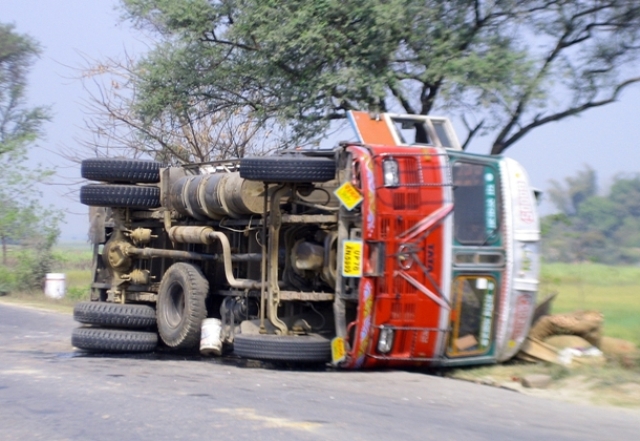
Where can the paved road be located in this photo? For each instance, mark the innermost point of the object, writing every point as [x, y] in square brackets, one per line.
[50, 392]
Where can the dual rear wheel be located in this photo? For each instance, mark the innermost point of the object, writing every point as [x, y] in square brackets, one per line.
[118, 179]
[114, 327]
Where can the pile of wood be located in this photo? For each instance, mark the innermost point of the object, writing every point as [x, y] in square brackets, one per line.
[573, 339]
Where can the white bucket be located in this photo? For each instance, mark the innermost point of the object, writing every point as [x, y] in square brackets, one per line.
[210, 342]
[55, 285]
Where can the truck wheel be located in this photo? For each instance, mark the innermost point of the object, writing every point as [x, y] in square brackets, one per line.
[121, 170]
[112, 340]
[181, 306]
[120, 196]
[288, 169]
[290, 348]
[115, 315]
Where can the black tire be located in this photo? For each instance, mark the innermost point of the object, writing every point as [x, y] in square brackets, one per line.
[288, 169]
[121, 170]
[115, 315]
[283, 348]
[120, 196]
[113, 340]
[181, 306]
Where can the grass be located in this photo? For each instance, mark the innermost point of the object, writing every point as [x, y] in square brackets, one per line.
[73, 260]
[614, 291]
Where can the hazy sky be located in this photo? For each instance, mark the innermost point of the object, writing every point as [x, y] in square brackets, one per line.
[607, 139]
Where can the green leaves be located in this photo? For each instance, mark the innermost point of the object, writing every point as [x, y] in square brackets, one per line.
[22, 218]
[295, 66]
[591, 227]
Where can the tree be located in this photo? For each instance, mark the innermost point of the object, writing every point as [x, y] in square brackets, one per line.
[592, 227]
[503, 67]
[18, 125]
[577, 189]
[22, 219]
[182, 132]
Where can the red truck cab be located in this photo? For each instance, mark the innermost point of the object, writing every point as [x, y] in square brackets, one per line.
[449, 249]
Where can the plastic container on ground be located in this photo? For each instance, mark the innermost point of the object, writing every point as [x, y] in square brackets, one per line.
[210, 342]
[55, 285]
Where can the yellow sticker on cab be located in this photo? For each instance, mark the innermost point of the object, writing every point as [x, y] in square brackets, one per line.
[352, 258]
[338, 350]
[348, 195]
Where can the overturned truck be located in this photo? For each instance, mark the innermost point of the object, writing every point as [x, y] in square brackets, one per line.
[396, 250]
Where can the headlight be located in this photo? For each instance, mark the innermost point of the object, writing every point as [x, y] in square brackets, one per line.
[385, 340]
[391, 172]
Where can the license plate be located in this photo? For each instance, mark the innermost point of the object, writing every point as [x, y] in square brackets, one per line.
[338, 350]
[352, 258]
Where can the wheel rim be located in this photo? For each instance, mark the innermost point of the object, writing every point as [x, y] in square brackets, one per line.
[176, 305]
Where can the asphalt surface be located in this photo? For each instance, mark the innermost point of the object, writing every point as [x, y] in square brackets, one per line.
[49, 391]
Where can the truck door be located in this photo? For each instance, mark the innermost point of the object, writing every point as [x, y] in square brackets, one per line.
[478, 258]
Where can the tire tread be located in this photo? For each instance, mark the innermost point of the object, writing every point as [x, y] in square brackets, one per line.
[121, 170]
[299, 169]
[113, 340]
[287, 348]
[120, 196]
[115, 315]
[187, 336]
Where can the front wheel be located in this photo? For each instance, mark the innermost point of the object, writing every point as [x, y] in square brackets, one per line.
[283, 348]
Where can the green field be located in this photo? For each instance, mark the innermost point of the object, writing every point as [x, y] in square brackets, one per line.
[612, 290]
[74, 260]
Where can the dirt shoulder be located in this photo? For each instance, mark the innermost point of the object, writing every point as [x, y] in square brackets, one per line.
[614, 383]
[39, 302]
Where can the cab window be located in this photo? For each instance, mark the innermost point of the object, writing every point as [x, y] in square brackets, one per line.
[475, 195]
[472, 315]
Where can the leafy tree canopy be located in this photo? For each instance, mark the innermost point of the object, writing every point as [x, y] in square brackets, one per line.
[22, 218]
[18, 125]
[592, 227]
[504, 67]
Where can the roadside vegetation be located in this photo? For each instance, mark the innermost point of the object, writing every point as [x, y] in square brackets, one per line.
[612, 290]
[591, 225]
[28, 229]
[224, 79]
[73, 260]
